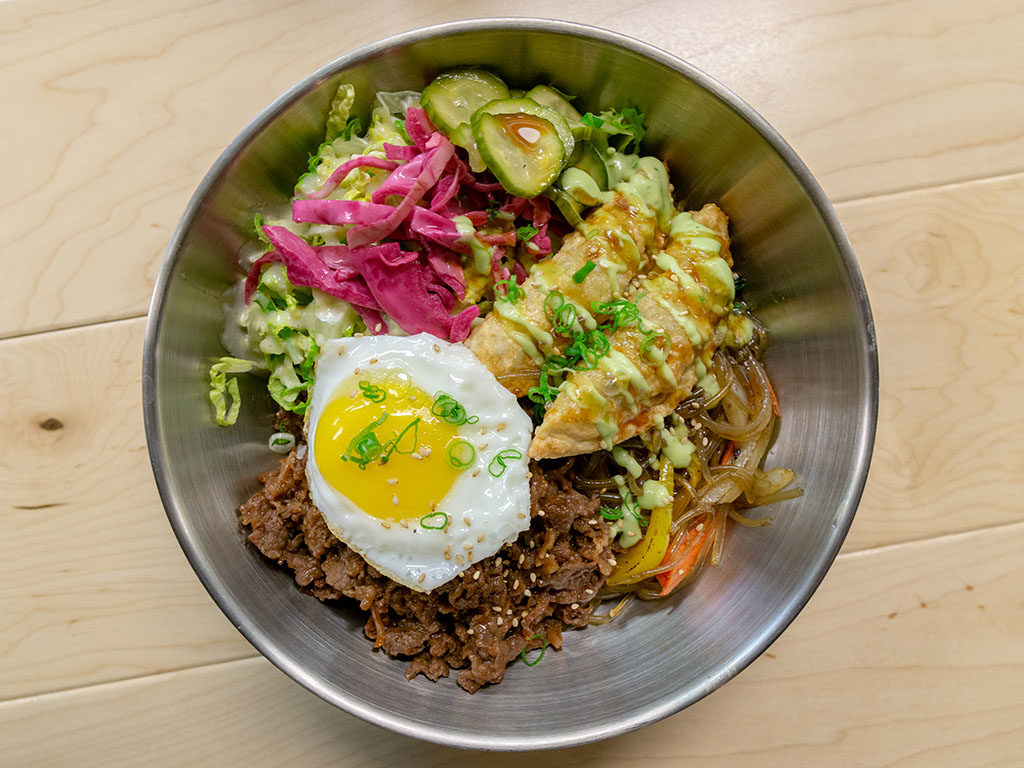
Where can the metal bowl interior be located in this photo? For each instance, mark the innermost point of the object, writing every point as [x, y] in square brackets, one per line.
[803, 282]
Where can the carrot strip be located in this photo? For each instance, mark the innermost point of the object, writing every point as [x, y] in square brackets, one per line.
[670, 580]
[727, 456]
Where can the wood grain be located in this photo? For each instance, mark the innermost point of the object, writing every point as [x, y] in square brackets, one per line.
[943, 270]
[93, 584]
[122, 601]
[850, 683]
[121, 107]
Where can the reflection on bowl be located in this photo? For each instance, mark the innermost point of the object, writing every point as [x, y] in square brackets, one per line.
[803, 283]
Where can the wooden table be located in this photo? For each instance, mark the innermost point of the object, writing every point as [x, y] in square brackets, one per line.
[912, 116]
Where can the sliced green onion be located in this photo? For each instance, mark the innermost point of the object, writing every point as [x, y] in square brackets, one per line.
[498, 466]
[540, 655]
[435, 521]
[623, 312]
[281, 442]
[365, 446]
[448, 409]
[512, 291]
[372, 392]
[581, 274]
[392, 445]
[460, 454]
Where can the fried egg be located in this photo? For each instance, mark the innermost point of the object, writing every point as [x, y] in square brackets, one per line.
[416, 456]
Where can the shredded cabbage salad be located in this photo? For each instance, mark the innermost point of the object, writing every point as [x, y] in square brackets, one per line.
[390, 230]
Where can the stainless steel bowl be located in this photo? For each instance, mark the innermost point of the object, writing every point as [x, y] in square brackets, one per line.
[803, 282]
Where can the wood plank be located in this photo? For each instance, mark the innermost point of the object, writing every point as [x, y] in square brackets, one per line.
[115, 99]
[94, 586]
[119, 599]
[859, 687]
[943, 273]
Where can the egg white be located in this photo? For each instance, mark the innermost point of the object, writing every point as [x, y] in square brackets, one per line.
[484, 512]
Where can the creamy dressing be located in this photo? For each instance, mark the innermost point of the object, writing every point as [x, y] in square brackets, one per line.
[467, 236]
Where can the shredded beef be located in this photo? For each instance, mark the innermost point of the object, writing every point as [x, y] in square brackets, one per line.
[540, 582]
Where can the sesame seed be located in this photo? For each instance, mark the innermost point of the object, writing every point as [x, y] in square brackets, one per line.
[433, 506]
[525, 614]
[466, 520]
[421, 578]
[404, 523]
[392, 481]
[574, 606]
[469, 554]
[589, 591]
[394, 499]
[469, 631]
[540, 513]
[426, 451]
[499, 621]
[479, 538]
[373, 361]
[515, 622]
[508, 611]
[521, 558]
[355, 371]
[520, 515]
[612, 561]
[498, 561]
[476, 472]
[527, 593]
[496, 608]
[482, 446]
[341, 349]
[700, 527]
[500, 427]
[515, 584]
[529, 475]
[476, 576]
[437, 349]
[448, 555]
[467, 546]
[416, 456]
[385, 524]
[533, 578]
[459, 560]
[483, 430]
[592, 522]
[703, 441]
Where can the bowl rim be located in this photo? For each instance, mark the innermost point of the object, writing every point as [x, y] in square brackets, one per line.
[672, 702]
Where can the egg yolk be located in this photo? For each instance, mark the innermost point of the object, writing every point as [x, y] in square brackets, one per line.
[379, 444]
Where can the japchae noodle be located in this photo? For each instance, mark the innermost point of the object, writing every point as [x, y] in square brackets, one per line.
[731, 431]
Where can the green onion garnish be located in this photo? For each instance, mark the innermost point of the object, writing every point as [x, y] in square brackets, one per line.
[611, 513]
[512, 291]
[435, 521]
[372, 392]
[460, 454]
[498, 466]
[623, 312]
[581, 273]
[392, 445]
[560, 312]
[365, 446]
[540, 656]
[447, 408]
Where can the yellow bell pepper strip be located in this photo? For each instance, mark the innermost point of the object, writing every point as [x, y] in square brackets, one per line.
[647, 554]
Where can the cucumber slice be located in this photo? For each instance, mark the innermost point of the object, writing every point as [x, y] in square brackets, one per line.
[524, 144]
[558, 101]
[452, 97]
[592, 164]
